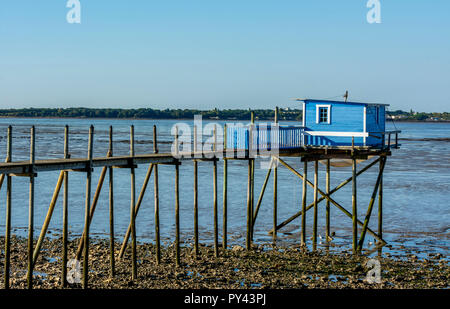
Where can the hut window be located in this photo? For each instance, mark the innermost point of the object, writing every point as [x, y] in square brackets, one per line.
[323, 114]
[377, 114]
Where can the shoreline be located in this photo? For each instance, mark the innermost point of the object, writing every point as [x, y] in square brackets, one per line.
[264, 267]
[207, 119]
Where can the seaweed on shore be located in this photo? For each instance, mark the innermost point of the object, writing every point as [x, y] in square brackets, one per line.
[262, 267]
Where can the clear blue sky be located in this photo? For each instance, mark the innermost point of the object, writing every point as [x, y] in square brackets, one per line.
[225, 54]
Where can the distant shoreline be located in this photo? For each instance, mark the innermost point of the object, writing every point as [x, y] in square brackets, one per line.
[207, 119]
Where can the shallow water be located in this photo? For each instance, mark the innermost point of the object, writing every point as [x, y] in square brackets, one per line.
[416, 187]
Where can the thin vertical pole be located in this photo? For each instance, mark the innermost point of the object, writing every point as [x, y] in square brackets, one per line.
[111, 208]
[327, 187]
[132, 210]
[31, 211]
[249, 214]
[304, 188]
[156, 194]
[216, 224]
[275, 185]
[354, 207]
[316, 179]
[380, 204]
[87, 209]
[177, 204]
[65, 211]
[225, 193]
[177, 214]
[8, 213]
[196, 250]
[252, 181]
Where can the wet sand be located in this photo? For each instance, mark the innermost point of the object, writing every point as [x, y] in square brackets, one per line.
[262, 267]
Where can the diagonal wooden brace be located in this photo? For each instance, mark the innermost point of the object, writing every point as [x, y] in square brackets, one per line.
[136, 208]
[298, 214]
[327, 196]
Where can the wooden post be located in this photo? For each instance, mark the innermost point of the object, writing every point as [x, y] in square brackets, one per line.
[380, 204]
[275, 184]
[132, 209]
[327, 209]
[342, 184]
[177, 204]
[31, 211]
[225, 192]
[369, 210]
[48, 217]
[249, 214]
[156, 195]
[216, 223]
[252, 188]
[65, 211]
[196, 244]
[136, 209]
[354, 207]
[304, 188]
[316, 180]
[8, 213]
[261, 194]
[87, 209]
[177, 214]
[111, 208]
[325, 196]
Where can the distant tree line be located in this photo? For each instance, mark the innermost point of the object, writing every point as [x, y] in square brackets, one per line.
[217, 114]
[149, 113]
[400, 115]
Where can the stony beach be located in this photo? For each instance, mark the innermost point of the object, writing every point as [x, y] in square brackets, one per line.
[264, 267]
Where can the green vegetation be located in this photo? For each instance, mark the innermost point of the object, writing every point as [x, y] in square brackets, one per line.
[149, 113]
[225, 114]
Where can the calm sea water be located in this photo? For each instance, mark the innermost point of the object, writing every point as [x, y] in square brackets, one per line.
[416, 188]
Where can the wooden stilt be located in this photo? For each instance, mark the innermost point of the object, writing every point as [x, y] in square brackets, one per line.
[249, 214]
[8, 213]
[261, 195]
[65, 233]
[304, 188]
[156, 196]
[177, 215]
[132, 210]
[298, 214]
[87, 209]
[111, 209]
[327, 209]
[92, 209]
[369, 210]
[275, 186]
[196, 239]
[316, 180]
[380, 206]
[225, 192]
[177, 204]
[31, 212]
[48, 217]
[216, 219]
[354, 208]
[136, 209]
[346, 212]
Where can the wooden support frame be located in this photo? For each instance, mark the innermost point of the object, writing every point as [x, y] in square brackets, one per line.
[325, 196]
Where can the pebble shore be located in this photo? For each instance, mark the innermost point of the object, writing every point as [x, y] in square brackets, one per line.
[264, 267]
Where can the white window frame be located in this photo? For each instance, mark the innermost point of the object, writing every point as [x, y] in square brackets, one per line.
[318, 106]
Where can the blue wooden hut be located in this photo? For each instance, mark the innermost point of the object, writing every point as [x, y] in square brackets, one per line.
[337, 123]
[325, 124]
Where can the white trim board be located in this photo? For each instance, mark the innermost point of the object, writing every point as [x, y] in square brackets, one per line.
[332, 133]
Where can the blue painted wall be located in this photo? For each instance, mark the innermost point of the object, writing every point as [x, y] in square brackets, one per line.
[344, 117]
